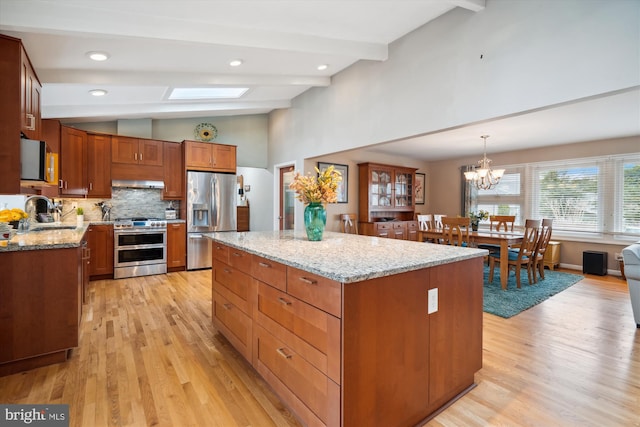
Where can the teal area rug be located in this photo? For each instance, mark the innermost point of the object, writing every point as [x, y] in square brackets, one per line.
[512, 301]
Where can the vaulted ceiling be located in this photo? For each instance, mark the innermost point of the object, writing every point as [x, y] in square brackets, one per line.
[157, 45]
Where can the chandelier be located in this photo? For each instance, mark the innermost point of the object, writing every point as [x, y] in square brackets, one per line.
[483, 177]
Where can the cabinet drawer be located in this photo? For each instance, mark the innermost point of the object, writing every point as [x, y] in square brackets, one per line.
[240, 260]
[270, 272]
[233, 284]
[310, 332]
[316, 290]
[316, 391]
[235, 325]
[399, 226]
[220, 251]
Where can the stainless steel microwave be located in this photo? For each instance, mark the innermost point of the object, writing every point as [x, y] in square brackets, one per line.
[33, 160]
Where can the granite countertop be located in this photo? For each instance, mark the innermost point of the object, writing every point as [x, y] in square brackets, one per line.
[54, 238]
[342, 257]
[47, 239]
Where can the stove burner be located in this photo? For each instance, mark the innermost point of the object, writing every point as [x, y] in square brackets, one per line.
[139, 222]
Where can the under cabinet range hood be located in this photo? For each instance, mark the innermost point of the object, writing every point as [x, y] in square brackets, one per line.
[129, 183]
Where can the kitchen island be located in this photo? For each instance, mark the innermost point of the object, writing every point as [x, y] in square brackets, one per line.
[352, 330]
[41, 279]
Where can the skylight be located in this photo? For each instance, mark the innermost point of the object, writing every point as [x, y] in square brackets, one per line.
[207, 92]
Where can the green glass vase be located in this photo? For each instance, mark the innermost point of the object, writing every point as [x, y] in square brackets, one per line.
[315, 219]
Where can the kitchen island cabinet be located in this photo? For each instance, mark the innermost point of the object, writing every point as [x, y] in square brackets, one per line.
[40, 298]
[341, 329]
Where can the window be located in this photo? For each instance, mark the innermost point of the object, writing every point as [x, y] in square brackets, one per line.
[506, 198]
[630, 171]
[593, 197]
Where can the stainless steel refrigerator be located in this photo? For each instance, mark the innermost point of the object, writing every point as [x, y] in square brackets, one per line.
[211, 206]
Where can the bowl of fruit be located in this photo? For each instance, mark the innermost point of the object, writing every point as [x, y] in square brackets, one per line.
[12, 216]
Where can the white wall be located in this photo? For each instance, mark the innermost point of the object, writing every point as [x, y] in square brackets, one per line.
[535, 54]
[260, 197]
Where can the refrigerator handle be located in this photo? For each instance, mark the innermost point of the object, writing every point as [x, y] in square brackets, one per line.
[214, 203]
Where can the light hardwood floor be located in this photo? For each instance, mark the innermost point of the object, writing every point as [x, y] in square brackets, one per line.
[149, 356]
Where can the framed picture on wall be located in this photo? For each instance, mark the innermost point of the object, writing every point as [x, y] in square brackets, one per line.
[420, 177]
[343, 187]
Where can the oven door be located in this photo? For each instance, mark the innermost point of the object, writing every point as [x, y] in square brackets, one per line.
[140, 247]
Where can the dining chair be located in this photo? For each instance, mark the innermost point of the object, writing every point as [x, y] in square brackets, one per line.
[349, 223]
[425, 222]
[520, 257]
[498, 223]
[537, 260]
[504, 222]
[455, 231]
[437, 220]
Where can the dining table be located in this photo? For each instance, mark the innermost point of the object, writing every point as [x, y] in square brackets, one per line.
[502, 238]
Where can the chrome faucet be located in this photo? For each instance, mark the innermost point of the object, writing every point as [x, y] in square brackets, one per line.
[50, 204]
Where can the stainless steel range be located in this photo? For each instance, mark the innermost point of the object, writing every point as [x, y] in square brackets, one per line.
[140, 247]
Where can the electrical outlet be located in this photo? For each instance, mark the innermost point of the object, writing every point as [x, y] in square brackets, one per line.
[74, 206]
[618, 255]
[433, 301]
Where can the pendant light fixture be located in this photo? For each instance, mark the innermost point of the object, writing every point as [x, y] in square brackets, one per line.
[483, 177]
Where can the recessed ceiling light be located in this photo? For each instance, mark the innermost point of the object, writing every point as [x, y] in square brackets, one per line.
[98, 92]
[322, 67]
[236, 62]
[98, 56]
[207, 92]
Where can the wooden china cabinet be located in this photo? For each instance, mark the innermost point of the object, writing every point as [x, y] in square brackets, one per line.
[387, 201]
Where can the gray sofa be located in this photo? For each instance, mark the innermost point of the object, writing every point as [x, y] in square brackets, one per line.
[631, 256]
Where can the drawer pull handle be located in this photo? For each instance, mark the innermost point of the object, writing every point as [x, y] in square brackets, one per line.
[284, 301]
[282, 353]
[264, 264]
[227, 306]
[308, 281]
[226, 270]
[236, 254]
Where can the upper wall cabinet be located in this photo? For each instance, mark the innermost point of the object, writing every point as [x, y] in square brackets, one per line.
[73, 162]
[136, 158]
[205, 156]
[31, 123]
[98, 166]
[136, 151]
[19, 109]
[173, 171]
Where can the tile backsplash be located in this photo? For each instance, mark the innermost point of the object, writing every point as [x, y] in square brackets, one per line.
[125, 203]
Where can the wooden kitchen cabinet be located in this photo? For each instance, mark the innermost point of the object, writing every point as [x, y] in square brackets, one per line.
[73, 162]
[136, 151]
[41, 306]
[174, 172]
[205, 156]
[242, 218]
[176, 246]
[328, 349]
[19, 109]
[99, 166]
[31, 123]
[100, 242]
[136, 159]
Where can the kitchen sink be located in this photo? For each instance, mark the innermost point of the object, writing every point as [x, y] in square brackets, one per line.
[54, 227]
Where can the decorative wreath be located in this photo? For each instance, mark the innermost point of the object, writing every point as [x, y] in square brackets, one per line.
[206, 132]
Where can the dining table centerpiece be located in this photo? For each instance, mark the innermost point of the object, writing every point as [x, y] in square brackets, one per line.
[315, 192]
[476, 217]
